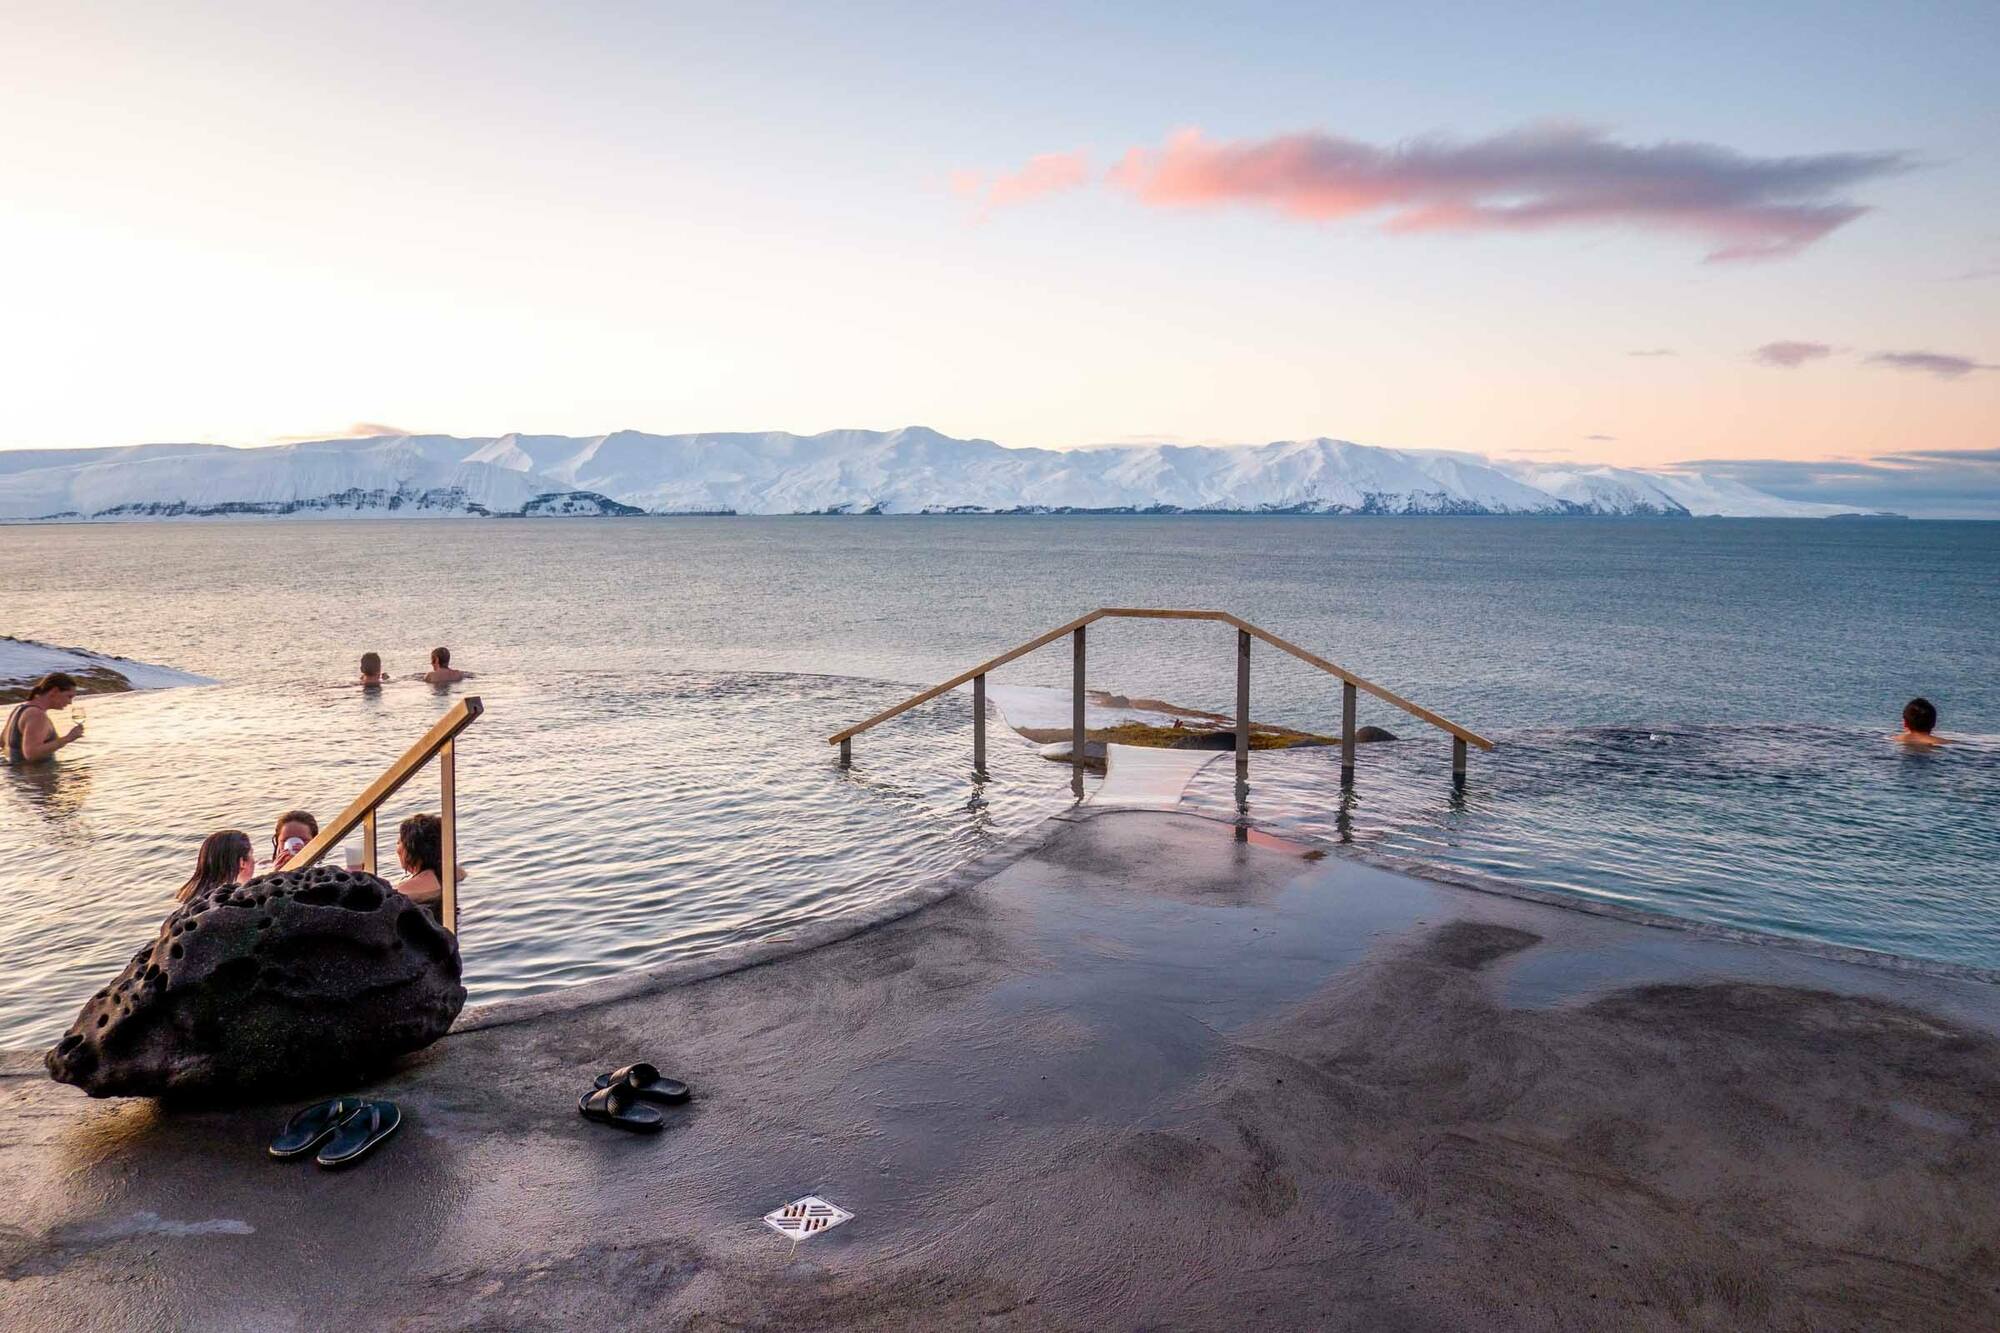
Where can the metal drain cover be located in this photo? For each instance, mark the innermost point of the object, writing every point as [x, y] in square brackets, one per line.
[806, 1217]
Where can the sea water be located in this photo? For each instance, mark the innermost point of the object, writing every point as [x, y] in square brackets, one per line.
[1691, 715]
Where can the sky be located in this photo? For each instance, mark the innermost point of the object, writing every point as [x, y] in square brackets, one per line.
[1634, 234]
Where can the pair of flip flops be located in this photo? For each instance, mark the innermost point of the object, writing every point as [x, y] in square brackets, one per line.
[343, 1130]
[626, 1098]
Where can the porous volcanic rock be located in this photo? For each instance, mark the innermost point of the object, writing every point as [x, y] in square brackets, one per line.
[1365, 734]
[295, 981]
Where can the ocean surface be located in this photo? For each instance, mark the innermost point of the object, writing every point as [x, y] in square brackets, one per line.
[1691, 714]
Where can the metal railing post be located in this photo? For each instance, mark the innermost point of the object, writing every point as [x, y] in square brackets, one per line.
[1242, 702]
[1347, 701]
[1457, 761]
[1351, 685]
[361, 811]
[1076, 730]
[448, 835]
[979, 724]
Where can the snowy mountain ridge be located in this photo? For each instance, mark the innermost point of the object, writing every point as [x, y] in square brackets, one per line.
[913, 470]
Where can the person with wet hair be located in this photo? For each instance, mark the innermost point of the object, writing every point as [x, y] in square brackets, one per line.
[294, 829]
[420, 849]
[28, 736]
[371, 670]
[442, 672]
[1920, 717]
[225, 859]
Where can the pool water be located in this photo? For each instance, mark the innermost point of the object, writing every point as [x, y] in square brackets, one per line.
[1691, 715]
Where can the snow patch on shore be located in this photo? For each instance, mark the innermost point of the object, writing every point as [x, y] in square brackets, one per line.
[24, 660]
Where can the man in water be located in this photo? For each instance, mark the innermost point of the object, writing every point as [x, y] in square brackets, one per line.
[29, 737]
[441, 672]
[371, 670]
[1919, 718]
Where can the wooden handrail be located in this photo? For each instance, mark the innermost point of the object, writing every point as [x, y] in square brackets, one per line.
[437, 743]
[1458, 732]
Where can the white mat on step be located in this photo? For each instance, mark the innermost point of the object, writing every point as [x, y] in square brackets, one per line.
[1144, 775]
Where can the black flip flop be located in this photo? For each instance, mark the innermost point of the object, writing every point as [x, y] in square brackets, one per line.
[647, 1084]
[311, 1127]
[359, 1133]
[616, 1104]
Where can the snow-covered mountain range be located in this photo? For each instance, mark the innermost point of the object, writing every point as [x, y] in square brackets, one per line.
[914, 470]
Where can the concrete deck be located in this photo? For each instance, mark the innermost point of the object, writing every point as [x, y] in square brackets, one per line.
[1146, 1076]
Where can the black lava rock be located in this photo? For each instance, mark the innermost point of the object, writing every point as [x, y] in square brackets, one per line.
[1373, 734]
[1206, 740]
[293, 982]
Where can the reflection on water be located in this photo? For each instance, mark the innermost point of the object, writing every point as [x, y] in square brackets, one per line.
[607, 821]
[1826, 833]
[52, 797]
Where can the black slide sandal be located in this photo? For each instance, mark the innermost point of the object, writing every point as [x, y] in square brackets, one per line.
[311, 1127]
[618, 1105]
[647, 1084]
[359, 1133]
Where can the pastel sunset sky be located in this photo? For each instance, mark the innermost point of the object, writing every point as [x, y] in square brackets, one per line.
[1639, 234]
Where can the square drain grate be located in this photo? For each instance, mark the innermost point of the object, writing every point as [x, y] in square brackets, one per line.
[806, 1217]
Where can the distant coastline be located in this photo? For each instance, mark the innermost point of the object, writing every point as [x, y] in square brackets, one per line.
[583, 504]
[912, 470]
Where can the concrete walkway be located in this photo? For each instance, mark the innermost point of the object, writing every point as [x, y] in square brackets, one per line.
[1146, 1076]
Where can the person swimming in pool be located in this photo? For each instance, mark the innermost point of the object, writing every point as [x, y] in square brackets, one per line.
[28, 737]
[1919, 723]
[224, 860]
[371, 670]
[442, 672]
[294, 829]
[420, 849]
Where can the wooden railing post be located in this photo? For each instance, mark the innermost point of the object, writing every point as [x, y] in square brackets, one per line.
[369, 860]
[1242, 702]
[448, 835]
[1457, 761]
[979, 725]
[1076, 728]
[847, 752]
[1347, 701]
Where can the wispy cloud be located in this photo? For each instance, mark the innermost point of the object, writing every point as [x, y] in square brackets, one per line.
[1047, 173]
[1791, 355]
[1600, 437]
[1941, 364]
[1745, 207]
[1652, 351]
[1939, 483]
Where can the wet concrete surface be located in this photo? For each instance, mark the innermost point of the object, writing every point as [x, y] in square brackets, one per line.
[1145, 1076]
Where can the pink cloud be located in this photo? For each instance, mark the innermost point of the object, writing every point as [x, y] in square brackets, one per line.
[1535, 179]
[1043, 174]
[357, 430]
